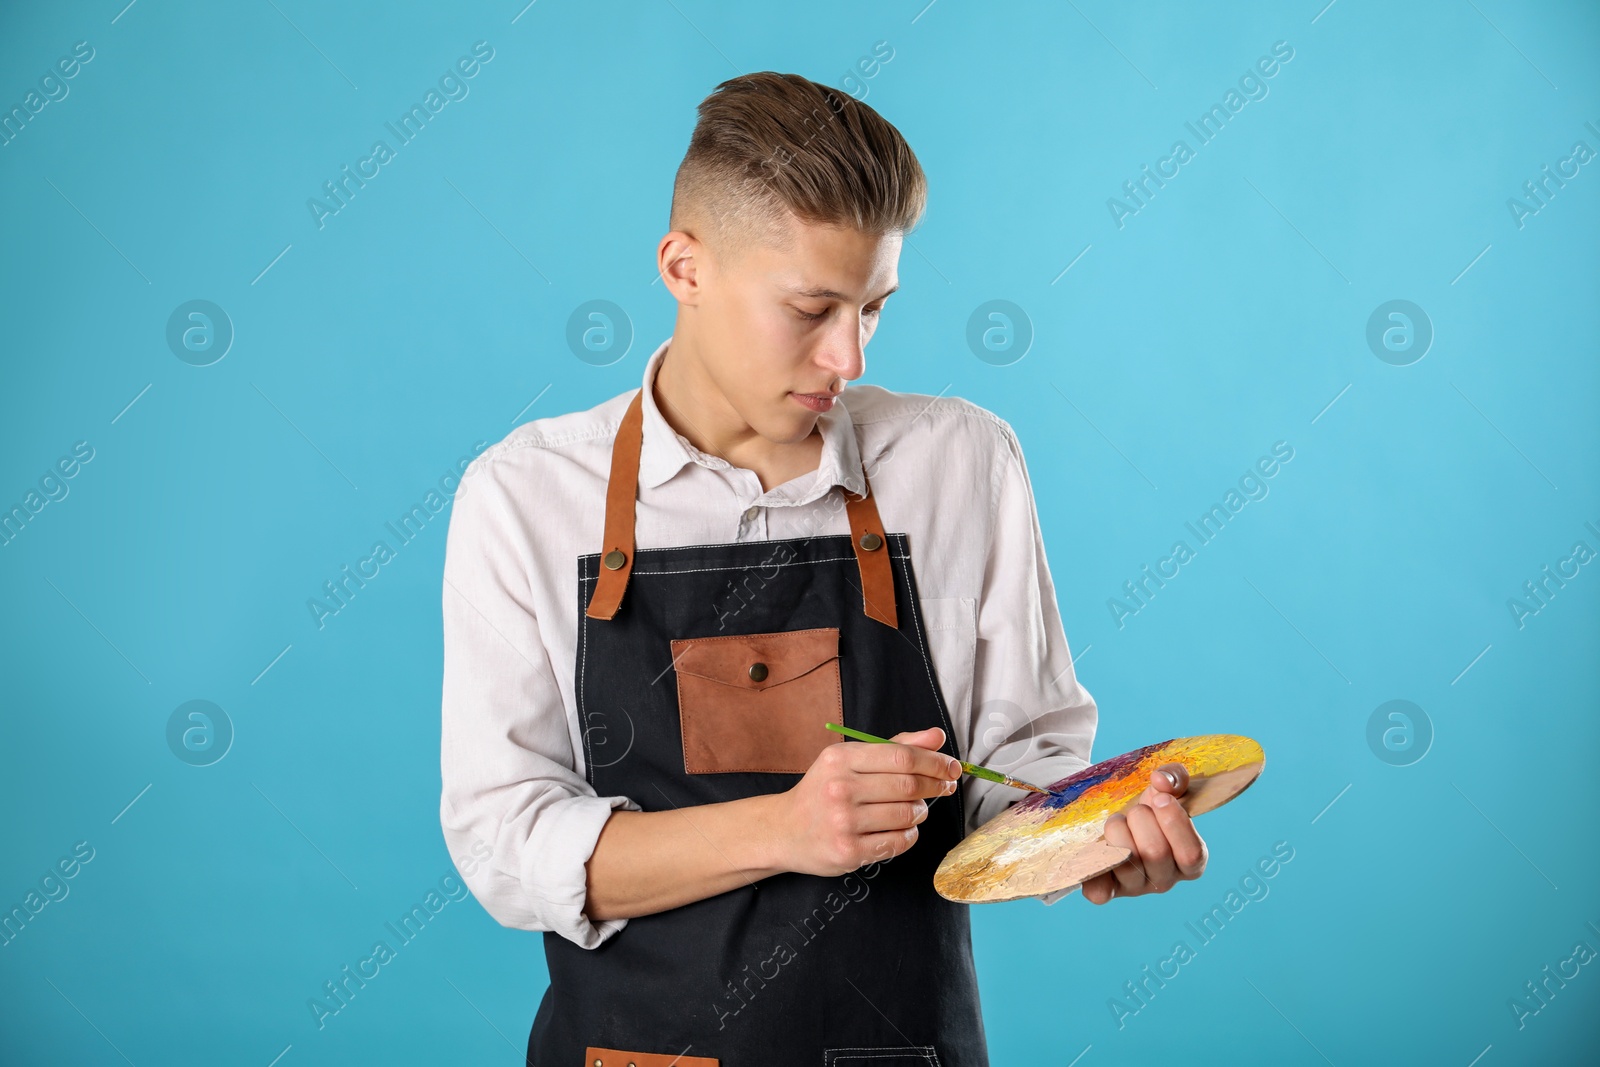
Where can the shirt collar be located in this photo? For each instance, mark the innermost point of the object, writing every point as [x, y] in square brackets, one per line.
[663, 451]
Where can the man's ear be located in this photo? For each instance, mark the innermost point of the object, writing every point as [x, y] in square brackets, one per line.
[679, 268]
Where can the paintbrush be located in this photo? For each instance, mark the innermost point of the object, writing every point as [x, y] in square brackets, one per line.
[970, 768]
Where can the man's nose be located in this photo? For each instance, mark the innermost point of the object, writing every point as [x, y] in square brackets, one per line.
[845, 351]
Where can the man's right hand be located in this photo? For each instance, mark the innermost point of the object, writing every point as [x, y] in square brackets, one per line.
[860, 802]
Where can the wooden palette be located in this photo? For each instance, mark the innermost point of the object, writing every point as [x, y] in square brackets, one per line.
[1047, 844]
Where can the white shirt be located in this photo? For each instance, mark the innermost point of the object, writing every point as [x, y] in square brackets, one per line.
[947, 473]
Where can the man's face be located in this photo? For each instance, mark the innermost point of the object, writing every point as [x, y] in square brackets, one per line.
[774, 324]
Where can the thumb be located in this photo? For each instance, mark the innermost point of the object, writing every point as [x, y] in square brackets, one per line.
[1178, 782]
[1176, 786]
[932, 737]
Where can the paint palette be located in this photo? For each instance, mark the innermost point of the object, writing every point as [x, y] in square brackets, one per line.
[1047, 844]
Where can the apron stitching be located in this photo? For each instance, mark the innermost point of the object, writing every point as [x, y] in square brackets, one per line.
[583, 659]
[744, 567]
[741, 637]
[722, 544]
[938, 699]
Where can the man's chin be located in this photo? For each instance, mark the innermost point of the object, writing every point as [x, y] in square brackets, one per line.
[790, 425]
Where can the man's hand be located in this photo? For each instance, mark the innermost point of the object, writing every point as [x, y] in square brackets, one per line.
[860, 801]
[1166, 848]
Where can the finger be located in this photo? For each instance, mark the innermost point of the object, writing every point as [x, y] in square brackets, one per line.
[1183, 841]
[886, 845]
[1099, 889]
[1129, 873]
[878, 788]
[932, 737]
[903, 759]
[1154, 852]
[895, 815]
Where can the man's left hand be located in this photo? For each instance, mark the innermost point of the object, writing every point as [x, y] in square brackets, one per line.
[1166, 848]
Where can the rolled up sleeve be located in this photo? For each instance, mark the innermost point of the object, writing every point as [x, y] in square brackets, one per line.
[1032, 717]
[512, 801]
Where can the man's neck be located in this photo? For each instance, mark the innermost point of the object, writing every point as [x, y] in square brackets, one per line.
[695, 408]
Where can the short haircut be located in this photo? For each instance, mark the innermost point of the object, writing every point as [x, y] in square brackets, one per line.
[768, 144]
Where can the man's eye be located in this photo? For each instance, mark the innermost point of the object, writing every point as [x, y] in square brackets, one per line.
[820, 314]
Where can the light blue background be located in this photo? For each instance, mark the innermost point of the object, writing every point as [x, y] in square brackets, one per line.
[1228, 314]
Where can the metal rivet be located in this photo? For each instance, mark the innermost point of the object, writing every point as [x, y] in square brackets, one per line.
[599, 1063]
[758, 672]
[614, 559]
[870, 541]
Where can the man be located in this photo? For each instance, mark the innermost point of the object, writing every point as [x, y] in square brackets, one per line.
[639, 747]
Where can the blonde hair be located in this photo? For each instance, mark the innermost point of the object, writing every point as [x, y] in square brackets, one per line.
[767, 145]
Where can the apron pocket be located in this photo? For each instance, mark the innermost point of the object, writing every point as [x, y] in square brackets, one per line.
[611, 1057]
[757, 702]
[900, 1056]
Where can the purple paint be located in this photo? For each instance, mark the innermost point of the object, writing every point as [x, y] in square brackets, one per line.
[1072, 787]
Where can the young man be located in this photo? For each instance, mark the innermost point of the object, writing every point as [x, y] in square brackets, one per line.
[651, 608]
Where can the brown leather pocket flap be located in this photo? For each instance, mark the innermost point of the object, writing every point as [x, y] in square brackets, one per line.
[758, 702]
[777, 657]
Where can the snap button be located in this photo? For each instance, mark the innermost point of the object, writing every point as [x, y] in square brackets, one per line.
[614, 559]
[758, 672]
[871, 541]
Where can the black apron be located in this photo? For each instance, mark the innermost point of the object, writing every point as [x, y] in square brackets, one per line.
[709, 683]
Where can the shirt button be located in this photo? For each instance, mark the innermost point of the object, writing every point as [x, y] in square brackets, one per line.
[751, 513]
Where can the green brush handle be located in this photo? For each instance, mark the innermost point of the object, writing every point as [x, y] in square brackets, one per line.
[970, 768]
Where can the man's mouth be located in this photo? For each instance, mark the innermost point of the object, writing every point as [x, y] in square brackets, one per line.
[818, 402]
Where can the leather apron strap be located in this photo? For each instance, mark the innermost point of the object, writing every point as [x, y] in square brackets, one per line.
[616, 561]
